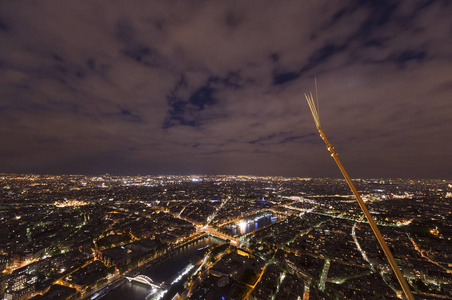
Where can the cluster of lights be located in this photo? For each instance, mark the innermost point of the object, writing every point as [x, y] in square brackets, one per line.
[68, 203]
[404, 222]
[186, 270]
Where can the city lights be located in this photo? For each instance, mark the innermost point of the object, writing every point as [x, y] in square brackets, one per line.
[304, 237]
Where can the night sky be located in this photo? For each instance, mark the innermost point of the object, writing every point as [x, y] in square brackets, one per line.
[217, 87]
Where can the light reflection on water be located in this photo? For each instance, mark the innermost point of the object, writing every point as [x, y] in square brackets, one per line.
[250, 225]
[128, 290]
[163, 271]
[168, 269]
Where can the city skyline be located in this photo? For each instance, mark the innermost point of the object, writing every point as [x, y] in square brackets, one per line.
[220, 237]
[218, 88]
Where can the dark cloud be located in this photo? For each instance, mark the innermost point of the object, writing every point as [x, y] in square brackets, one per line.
[321, 55]
[217, 87]
[382, 12]
[274, 57]
[407, 56]
[202, 97]
[262, 139]
[233, 20]
[3, 26]
[306, 138]
[285, 77]
[144, 55]
[318, 57]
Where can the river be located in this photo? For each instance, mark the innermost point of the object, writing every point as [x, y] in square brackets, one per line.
[163, 271]
[168, 269]
[252, 224]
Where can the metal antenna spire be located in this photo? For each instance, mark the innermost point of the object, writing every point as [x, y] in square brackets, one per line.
[315, 114]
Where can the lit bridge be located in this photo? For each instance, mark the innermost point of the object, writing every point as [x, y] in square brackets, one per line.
[145, 280]
[220, 235]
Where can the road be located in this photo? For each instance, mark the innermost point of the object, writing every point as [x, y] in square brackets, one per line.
[421, 252]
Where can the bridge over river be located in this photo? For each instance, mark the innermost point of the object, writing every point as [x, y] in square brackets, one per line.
[220, 235]
[147, 281]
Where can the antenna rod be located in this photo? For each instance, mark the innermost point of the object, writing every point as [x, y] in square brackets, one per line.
[377, 233]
